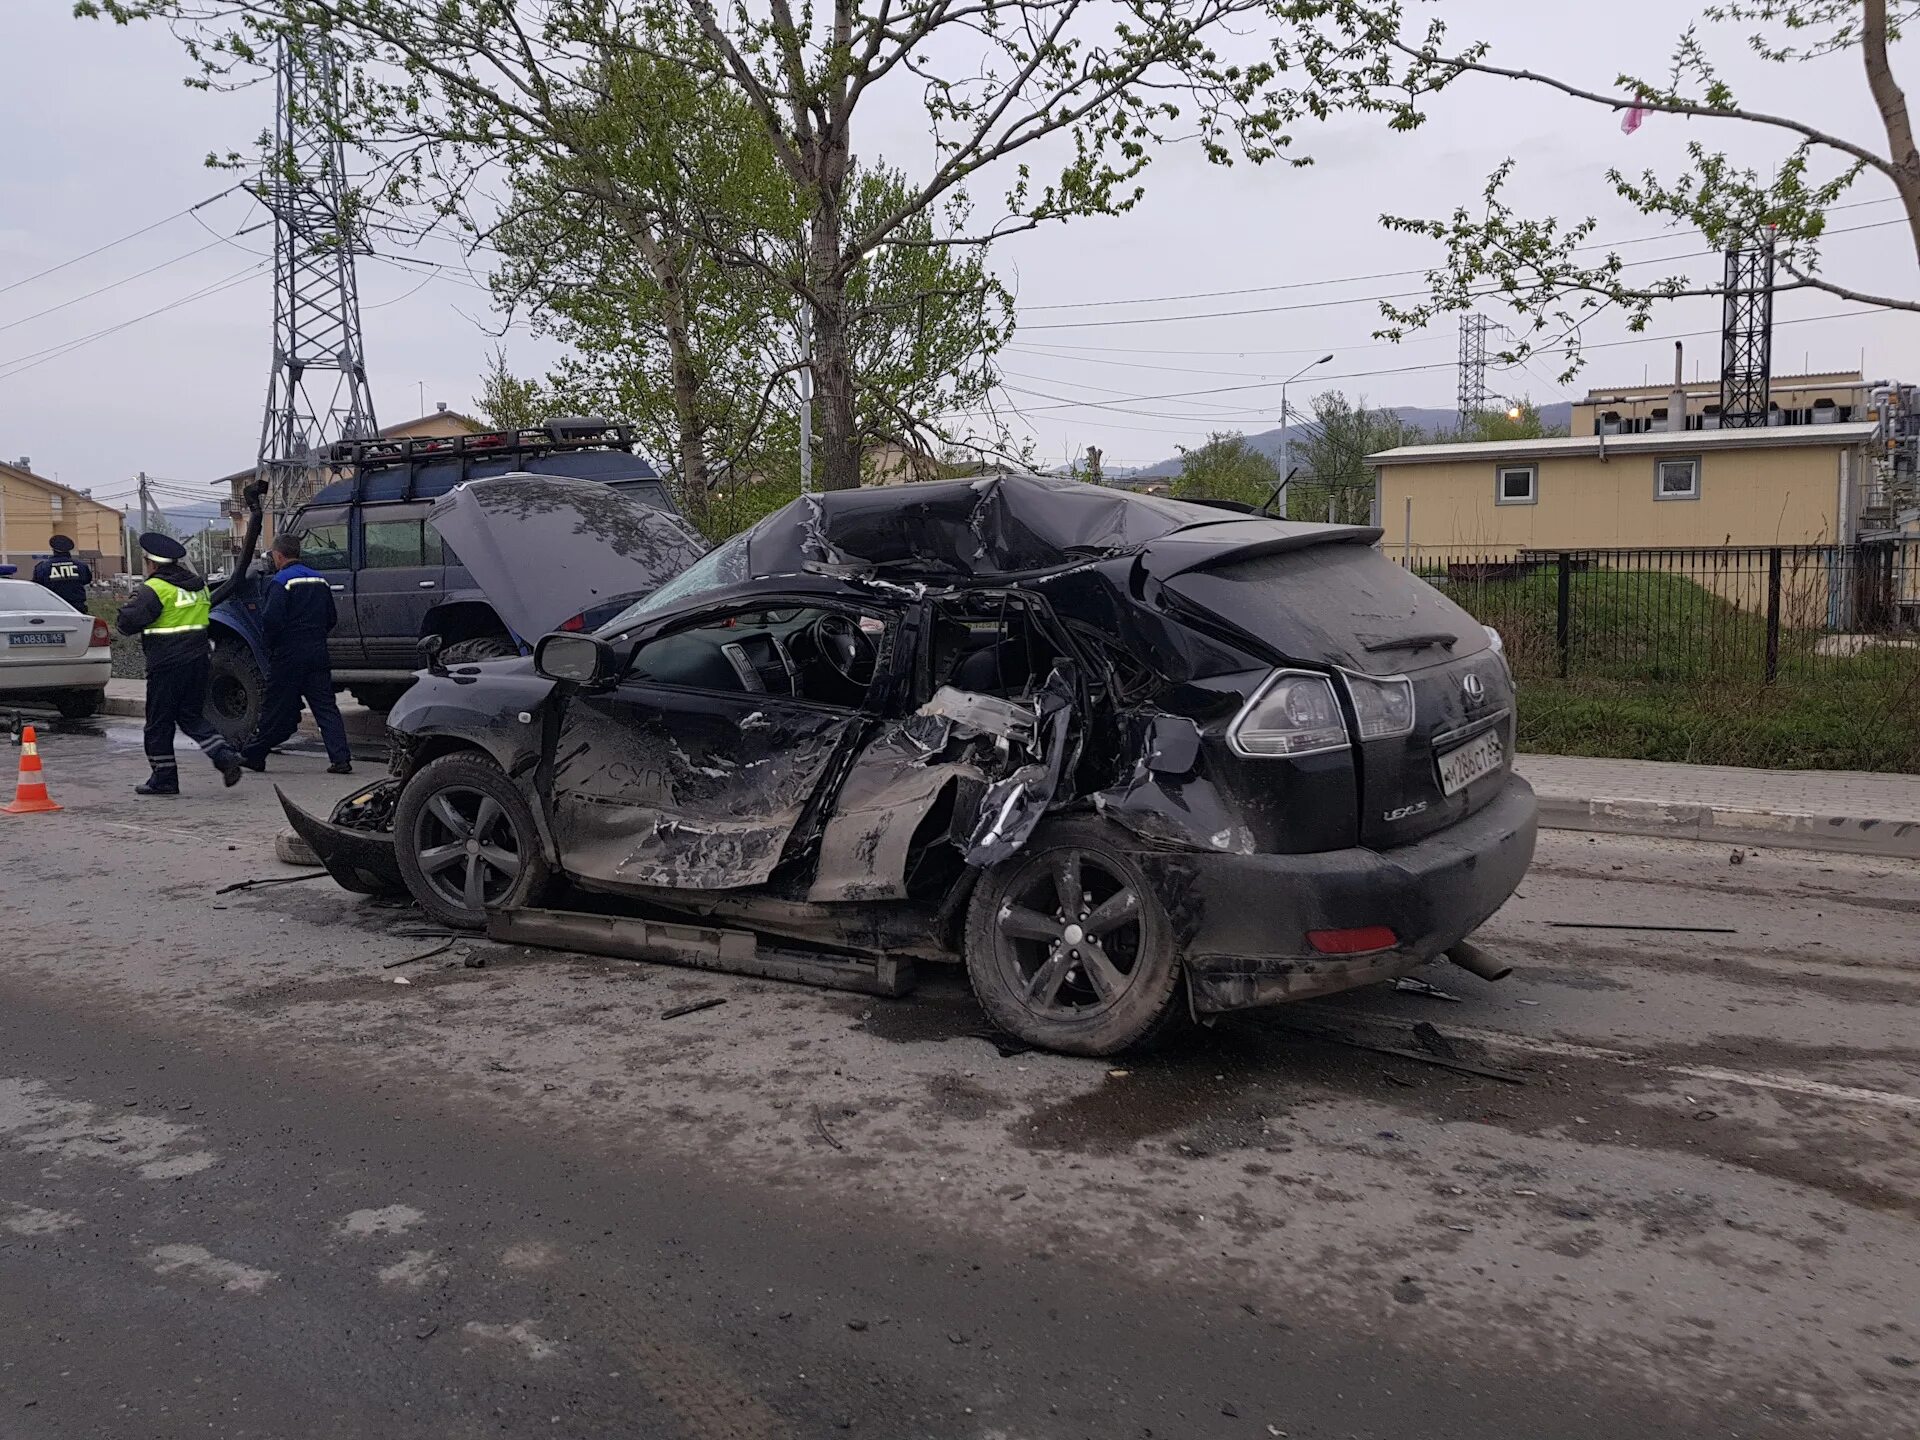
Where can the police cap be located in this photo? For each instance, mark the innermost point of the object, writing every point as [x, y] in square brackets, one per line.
[62, 543]
[156, 546]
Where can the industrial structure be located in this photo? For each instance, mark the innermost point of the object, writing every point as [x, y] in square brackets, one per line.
[317, 393]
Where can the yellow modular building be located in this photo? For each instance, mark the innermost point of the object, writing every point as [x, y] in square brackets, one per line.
[1783, 485]
[34, 508]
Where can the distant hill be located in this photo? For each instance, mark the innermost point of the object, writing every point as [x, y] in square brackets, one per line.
[1267, 442]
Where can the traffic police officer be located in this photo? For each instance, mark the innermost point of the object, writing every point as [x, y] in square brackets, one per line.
[170, 613]
[63, 575]
[297, 618]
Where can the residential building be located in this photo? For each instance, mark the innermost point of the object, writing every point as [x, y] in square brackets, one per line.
[1786, 485]
[34, 508]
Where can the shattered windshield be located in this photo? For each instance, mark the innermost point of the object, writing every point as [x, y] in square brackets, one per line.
[725, 564]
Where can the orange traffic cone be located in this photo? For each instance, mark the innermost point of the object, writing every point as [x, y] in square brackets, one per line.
[30, 796]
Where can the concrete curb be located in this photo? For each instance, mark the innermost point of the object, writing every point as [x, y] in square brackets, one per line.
[117, 705]
[1848, 834]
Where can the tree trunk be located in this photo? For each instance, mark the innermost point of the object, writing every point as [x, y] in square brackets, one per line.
[689, 430]
[839, 457]
[1892, 103]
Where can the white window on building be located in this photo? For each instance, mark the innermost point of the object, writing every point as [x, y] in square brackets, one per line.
[1677, 479]
[1516, 485]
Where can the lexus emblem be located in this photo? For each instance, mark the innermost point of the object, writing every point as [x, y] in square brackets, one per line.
[1472, 687]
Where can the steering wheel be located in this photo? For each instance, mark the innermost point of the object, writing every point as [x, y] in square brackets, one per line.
[848, 650]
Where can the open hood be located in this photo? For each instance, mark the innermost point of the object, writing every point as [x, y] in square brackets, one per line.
[545, 548]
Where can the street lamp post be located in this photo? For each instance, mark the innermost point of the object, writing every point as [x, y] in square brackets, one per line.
[1286, 435]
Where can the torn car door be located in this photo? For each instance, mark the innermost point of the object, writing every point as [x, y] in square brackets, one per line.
[656, 786]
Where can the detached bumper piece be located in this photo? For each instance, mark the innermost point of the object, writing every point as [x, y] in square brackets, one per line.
[358, 856]
[701, 947]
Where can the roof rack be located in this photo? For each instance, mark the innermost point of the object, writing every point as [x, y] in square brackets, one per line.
[572, 433]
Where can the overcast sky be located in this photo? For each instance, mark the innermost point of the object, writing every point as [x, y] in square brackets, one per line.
[103, 139]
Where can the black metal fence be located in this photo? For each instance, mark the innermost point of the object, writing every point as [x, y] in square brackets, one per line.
[1680, 616]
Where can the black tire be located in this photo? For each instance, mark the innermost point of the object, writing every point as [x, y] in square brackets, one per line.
[378, 694]
[1016, 949]
[79, 704]
[481, 647]
[236, 689]
[442, 807]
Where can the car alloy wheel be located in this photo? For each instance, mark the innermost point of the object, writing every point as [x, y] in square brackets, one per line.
[467, 847]
[1067, 934]
[1068, 945]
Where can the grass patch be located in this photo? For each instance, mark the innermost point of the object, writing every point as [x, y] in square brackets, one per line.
[1661, 667]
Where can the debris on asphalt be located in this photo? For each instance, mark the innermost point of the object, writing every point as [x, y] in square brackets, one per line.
[269, 880]
[1118, 1074]
[856, 1324]
[1738, 857]
[1413, 985]
[424, 1334]
[401, 980]
[1433, 1042]
[474, 960]
[1005, 1044]
[678, 1010]
[1334, 1037]
[439, 949]
[1676, 929]
[820, 1124]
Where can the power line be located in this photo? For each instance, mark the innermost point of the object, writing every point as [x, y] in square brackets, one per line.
[20, 364]
[116, 284]
[1425, 269]
[130, 235]
[1362, 374]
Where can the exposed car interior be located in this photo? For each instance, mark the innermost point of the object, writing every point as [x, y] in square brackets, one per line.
[990, 644]
[803, 653]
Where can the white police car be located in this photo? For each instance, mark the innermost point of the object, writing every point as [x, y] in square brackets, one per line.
[50, 652]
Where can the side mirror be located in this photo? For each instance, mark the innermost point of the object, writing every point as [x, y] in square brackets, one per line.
[576, 659]
[431, 646]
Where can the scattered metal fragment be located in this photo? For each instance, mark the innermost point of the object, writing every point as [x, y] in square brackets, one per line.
[1433, 1042]
[1412, 985]
[1334, 1037]
[820, 1124]
[678, 1010]
[439, 949]
[269, 880]
[1608, 925]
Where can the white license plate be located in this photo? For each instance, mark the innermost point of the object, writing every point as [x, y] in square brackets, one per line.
[35, 637]
[1472, 761]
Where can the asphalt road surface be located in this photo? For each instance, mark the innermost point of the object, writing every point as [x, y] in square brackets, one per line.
[250, 1185]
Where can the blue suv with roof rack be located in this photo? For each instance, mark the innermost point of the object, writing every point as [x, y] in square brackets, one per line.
[395, 582]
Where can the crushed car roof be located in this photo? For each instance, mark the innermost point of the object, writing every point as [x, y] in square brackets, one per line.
[1004, 526]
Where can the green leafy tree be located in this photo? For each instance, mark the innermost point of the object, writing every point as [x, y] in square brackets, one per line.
[1335, 482]
[1059, 105]
[507, 401]
[1227, 467]
[1554, 275]
[1519, 421]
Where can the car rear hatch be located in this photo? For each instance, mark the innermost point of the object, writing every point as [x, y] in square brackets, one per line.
[1333, 602]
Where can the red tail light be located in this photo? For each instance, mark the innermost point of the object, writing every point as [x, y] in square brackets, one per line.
[1352, 942]
[101, 635]
[578, 622]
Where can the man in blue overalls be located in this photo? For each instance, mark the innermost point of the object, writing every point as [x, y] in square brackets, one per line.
[170, 613]
[297, 618]
[63, 575]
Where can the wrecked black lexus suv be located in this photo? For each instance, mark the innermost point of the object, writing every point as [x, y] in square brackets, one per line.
[1126, 758]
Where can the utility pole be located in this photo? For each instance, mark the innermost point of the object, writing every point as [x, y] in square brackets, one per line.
[146, 505]
[1286, 435]
[316, 303]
